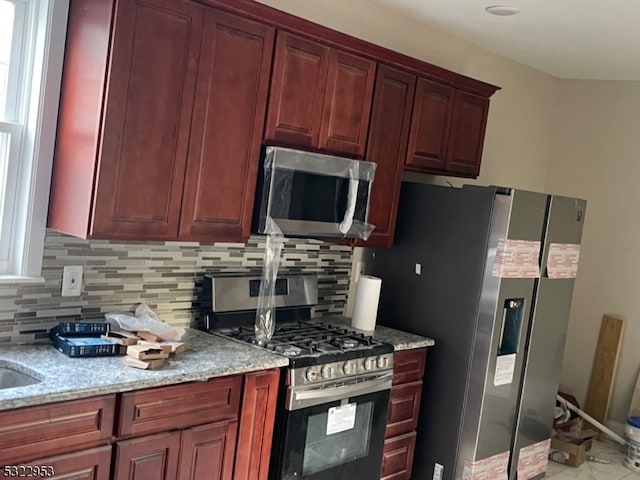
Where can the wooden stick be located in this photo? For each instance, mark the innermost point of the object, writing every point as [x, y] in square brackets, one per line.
[604, 368]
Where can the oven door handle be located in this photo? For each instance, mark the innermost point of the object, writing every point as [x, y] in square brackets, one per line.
[316, 396]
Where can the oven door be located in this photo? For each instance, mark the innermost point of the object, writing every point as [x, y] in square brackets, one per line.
[338, 439]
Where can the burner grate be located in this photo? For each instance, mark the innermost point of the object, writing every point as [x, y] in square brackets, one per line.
[305, 338]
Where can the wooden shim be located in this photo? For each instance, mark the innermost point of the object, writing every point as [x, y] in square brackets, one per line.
[603, 371]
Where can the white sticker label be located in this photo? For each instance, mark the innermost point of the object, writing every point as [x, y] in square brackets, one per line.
[517, 259]
[533, 460]
[562, 261]
[438, 471]
[341, 418]
[492, 468]
[505, 366]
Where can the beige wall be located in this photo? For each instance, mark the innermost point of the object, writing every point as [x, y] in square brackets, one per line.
[570, 137]
[596, 156]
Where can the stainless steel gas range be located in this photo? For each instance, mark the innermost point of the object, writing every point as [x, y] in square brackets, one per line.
[334, 396]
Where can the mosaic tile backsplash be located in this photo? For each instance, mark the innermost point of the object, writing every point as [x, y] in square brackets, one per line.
[167, 276]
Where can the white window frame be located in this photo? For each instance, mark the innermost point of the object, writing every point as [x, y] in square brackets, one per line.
[32, 129]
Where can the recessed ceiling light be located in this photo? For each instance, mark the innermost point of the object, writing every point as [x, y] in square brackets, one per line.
[502, 10]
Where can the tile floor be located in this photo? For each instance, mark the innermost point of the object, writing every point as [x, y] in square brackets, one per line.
[606, 450]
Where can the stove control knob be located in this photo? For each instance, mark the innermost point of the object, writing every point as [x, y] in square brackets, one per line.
[382, 361]
[369, 363]
[327, 372]
[349, 367]
[311, 374]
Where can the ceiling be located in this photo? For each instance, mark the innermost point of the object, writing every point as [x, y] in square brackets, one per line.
[582, 39]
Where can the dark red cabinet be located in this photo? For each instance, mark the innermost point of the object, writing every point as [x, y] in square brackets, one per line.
[166, 144]
[320, 97]
[404, 408]
[430, 126]
[387, 147]
[447, 130]
[226, 130]
[145, 458]
[467, 134]
[147, 119]
[165, 105]
[207, 451]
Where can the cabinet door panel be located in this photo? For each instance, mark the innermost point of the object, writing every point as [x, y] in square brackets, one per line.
[45, 430]
[256, 425]
[297, 91]
[231, 98]
[148, 458]
[207, 452]
[387, 147]
[467, 134]
[147, 119]
[404, 407]
[347, 104]
[408, 365]
[397, 457]
[80, 116]
[93, 464]
[430, 126]
[179, 406]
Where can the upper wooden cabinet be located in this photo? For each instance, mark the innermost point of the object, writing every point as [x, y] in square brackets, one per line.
[165, 106]
[320, 97]
[447, 130]
[226, 131]
[467, 134]
[387, 147]
[168, 146]
[147, 119]
[430, 126]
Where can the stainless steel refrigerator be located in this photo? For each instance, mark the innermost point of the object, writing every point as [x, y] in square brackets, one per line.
[488, 273]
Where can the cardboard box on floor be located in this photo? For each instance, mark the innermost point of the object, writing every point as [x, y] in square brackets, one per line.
[577, 452]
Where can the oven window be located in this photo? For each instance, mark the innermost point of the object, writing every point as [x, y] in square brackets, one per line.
[323, 451]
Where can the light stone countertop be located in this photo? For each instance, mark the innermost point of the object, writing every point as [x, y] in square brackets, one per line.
[65, 378]
[400, 340]
[207, 356]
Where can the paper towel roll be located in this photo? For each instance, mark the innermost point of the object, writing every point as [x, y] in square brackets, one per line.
[365, 307]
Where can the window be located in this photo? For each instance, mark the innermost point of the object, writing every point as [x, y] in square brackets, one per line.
[32, 34]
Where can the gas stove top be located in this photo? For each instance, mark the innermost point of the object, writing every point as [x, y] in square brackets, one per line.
[312, 342]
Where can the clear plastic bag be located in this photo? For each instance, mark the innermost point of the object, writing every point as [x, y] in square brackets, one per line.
[145, 319]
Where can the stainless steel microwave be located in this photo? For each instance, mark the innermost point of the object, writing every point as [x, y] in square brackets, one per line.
[314, 195]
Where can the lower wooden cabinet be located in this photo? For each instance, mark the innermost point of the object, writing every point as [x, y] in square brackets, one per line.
[257, 417]
[397, 457]
[404, 409]
[216, 430]
[91, 464]
[175, 407]
[146, 458]
[207, 451]
[43, 431]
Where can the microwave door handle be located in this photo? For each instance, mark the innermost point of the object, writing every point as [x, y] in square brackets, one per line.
[352, 196]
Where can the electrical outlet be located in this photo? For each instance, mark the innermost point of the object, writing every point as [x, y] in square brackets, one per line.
[71, 281]
[438, 470]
